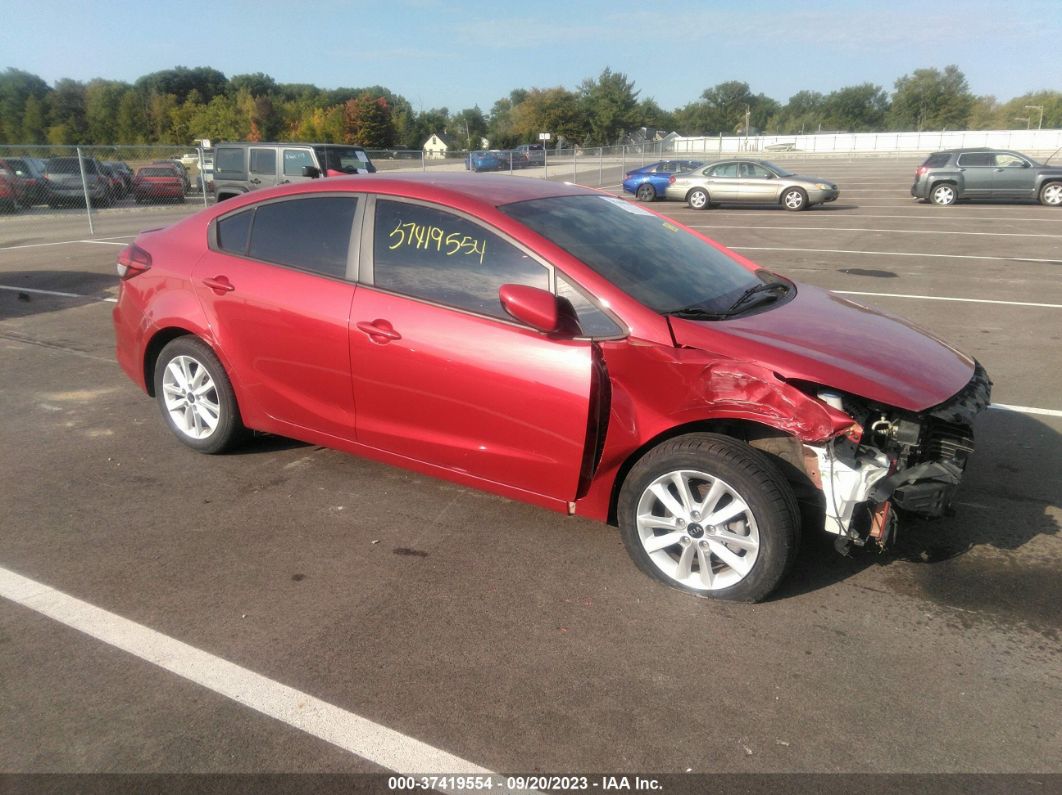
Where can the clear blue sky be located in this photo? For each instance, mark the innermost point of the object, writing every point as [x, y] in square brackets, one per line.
[459, 54]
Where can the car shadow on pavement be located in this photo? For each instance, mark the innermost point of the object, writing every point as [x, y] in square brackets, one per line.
[983, 559]
[20, 297]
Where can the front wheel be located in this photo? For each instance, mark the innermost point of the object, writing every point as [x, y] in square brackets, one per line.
[645, 193]
[697, 199]
[795, 199]
[709, 515]
[196, 396]
[1051, 194]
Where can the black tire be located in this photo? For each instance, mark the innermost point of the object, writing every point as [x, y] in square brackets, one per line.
[765, 529]
[219, 400]
[943, 194]
[697, 199]
[1051, 194]
[795, 199]
[645, 193]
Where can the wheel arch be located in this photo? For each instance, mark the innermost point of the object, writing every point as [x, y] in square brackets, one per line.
[782, 447]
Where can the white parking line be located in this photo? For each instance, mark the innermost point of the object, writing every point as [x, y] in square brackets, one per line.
[840, 215]
[102, 241]
[371, 741]
[56, 293]
[949, 298]
[761, 227]
[895, 254]
[1026, 410]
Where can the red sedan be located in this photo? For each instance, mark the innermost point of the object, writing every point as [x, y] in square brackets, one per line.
[558, 346]
[154, 183]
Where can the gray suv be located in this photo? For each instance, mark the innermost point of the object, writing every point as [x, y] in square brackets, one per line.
[242, 167]
[953, 174]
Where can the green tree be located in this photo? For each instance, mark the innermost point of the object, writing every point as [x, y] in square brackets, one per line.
[553, 110]
[929, 99]
[180, 80]
[131, 125]
[367, 121]
[470, 126]
[609, 106]
[16, 90]
[1013, 113]
[66, 113]
[855, 108]
[219, 120]
[258, 84]
[802, 113]
[34, 122]
[102, 98]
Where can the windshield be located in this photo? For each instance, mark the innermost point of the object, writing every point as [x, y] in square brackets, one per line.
[655, 262]
[777, 169]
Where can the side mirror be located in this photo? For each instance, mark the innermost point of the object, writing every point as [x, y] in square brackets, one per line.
[313, 172]
[540, 309]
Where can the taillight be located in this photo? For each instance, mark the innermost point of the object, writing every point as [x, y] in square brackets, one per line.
[920, 171]
[671, 180]
[132, 261]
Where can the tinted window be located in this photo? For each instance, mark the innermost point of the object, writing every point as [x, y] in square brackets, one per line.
[158, 172]
[228, 160]
[347, 159]
[937, 160]
[651, 259]
[312, 234]
[592, 321]
[977, 159]
[435, 255]
[234, 232]
[264, 161]
[70, 165]
[295, 160]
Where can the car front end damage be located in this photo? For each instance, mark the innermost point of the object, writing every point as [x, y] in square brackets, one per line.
[893, 462]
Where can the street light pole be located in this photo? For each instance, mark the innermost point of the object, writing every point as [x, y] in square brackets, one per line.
[1040, 123]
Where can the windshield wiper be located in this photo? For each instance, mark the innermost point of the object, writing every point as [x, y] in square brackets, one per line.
[763, 290]
[694, 312]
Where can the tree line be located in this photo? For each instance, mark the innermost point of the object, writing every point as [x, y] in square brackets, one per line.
[176, 106]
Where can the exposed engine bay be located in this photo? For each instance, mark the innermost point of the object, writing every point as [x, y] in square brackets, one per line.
[893, 462]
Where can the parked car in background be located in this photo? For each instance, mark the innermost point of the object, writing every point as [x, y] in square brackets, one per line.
[650, 182]
[9, 202]
[30, 184]
[951, 175]
[179, 166]
[243, 167]
[157, 182]
[527, 155]
[122, 170]
[492, 160]
[117, 184]
[742, 181]
[65, 185]
[554, 345]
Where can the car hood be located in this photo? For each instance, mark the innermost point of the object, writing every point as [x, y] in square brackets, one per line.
[820, 337]
[806, 178]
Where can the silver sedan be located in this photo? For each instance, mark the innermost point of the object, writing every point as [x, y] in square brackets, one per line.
[749, 182]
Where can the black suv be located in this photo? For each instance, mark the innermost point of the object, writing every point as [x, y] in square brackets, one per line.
[956, 174]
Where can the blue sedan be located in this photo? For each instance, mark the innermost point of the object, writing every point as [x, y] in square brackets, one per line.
[649, 182]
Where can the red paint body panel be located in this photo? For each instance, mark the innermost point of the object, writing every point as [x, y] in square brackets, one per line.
[474, 395]
[820, 337]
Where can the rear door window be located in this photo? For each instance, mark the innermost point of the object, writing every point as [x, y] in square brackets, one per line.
[975, 159]
[264, 161]
[311, 234]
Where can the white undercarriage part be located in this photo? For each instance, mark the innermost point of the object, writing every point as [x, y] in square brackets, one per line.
[847, 474]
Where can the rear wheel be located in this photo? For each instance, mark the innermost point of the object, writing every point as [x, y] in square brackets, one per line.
[1051, 194]
[196, 396]
[943, 194]
[697, 199]
[708, 515]
[645, 193]
[795, 199]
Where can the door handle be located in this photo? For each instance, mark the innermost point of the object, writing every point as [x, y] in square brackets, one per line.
[219, 284]
[284, 182]
[255, 181]
[379, 331]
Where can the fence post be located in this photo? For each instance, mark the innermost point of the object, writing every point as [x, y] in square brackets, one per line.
[423, 165]
[84, 188]
[545, 161]
[202, 175]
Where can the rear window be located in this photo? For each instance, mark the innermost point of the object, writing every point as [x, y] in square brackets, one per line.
[70, 165]
[159, 172]
[312, 234]
[937, 160]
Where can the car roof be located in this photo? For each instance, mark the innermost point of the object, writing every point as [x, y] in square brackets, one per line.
[447, 187]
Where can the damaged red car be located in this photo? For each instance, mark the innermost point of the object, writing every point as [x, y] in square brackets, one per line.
[558, 346]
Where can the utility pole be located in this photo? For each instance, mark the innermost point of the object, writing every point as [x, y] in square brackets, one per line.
[1040, 123]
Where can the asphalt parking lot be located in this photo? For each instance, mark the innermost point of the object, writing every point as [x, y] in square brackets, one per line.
[510, 638]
